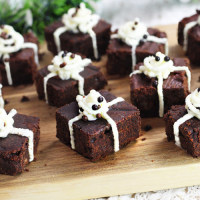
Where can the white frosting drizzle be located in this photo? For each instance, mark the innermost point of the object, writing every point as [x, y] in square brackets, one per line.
[1, 97]
[86, 103]
[11, 45]
[66, 66]
[192, 102]
[78, 19]
[187, 27]
[161, 70]
[6, 127]
[133, 32]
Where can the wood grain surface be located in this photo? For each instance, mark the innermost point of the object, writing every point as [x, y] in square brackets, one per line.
[61, 173]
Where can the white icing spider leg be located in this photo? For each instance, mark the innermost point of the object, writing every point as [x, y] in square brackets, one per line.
[94, 42]
[188, 73]
[176, 127]
[70, 124]
[136, 72]
[35, 49]
[114, 130]
[27, 133]
[80, 79]
[12, 113]
[115, 101]
[7, 68]
[160, 95]
[57, 34]
[1, 97]
[134, 59]
[46, 78]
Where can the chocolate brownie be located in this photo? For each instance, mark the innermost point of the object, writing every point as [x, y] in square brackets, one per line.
[189, 131]
[79, 43]
[94, 139]
[193, 38]
[144, 91]
[61, 92]
[14, 155]
[22, 64]
[120, 54]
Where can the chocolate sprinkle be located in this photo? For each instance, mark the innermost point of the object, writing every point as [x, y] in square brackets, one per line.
[72, 55]
[98, 115]
[84, 118]
[155, 83]
[63, 65]
[100, 99]
[94, 107]
[145, 36]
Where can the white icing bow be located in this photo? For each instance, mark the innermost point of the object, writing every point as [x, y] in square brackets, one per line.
[80, 19]
[70, 66]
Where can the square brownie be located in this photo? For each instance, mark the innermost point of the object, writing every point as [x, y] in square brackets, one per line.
[192, 45]
[79, 43]
[144, 94]
[94, 139]
[14, 155]
[120, 54]
[61, 92]
[22, 64]
[189, 131]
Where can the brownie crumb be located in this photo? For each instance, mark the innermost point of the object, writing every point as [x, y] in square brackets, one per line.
[148, 127]
[24, 99]
[35, 159]
[109, 89]
[152, 160]
[41, 151]
[45, 165]
[143, 139]
[27, 170]
[6, 101]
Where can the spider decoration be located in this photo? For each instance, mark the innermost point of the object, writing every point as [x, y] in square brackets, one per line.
[160, 66]
[10, 42]
[93, 107]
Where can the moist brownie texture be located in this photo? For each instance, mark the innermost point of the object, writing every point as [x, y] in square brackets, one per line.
[144, 93]
[14, 148]
[120, 54]
[94, 139]
[22, 64]
[79, 43]
[193, 46]
[189, 131]
[61, 92]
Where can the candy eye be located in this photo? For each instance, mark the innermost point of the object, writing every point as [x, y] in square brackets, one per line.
[133, 28]
[145, 36]
[136, 23]
[157, 58]
[167, 58]
[94, 107]
[81, 109]
[100, 99]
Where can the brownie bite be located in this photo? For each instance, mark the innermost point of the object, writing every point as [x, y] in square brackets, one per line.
[121, 57]
[14, 149]
[189, 37]
[74, 39]
[95, 139]
[61, 91]
[144, 89]
[20, 63]
[183, 122]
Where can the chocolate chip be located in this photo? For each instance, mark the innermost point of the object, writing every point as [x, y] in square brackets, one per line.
[157, 58]
[94, 107]
[81, 109]
[148, 127]
[133, 28]
[100, 99]
[141, 42]
[72, 55]
[63, 65]
[84, 118]
[6, 60]
[145, 36]
[136, 23]
[166, 58]
[24, 99]
[199, 89]
[6, 101]
[155, 83]
[98, 115]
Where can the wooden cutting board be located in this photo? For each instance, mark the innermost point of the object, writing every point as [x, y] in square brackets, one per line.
[61, 173]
